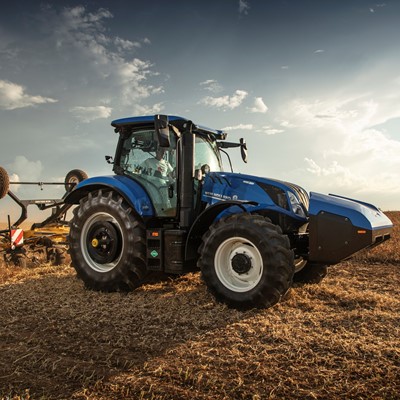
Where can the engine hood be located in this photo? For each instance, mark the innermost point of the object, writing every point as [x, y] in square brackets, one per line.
[282, 196]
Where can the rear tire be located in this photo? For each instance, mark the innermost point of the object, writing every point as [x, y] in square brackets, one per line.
[107, 243]
[4, 182]
[246, 261]
[311, 273]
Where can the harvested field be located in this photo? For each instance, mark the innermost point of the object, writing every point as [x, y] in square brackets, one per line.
[170, 340]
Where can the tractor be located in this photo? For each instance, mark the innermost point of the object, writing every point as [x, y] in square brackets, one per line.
[171, 207]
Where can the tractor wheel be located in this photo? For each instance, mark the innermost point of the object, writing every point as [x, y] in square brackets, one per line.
[107, 243]
[4, 182]
[73, 178]
[246, 261]
[311, 273]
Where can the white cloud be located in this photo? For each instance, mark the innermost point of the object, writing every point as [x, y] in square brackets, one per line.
[350, 154]
[13, 96]
[240, 127]
[82, 36]
[211, 85]
[258, 106]
[123, 44]
[225, 102]
[287, 124]
[24, 170]
[244, 7]
[148, 110]
[89, 114]
[270, 131]
[319, 51]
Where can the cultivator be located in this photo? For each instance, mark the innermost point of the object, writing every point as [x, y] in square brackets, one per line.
[44, 241]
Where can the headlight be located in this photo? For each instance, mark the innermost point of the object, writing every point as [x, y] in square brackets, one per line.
[296, 205]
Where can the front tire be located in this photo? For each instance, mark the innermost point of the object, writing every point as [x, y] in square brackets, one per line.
[246, 261]
[107, 243]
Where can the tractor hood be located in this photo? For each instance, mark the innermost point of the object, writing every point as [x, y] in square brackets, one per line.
[275, 195]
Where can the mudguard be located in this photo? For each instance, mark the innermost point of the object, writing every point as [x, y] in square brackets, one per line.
[132, 191]
[339, 227]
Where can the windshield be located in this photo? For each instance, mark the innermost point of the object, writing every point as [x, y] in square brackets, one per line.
[206, 153]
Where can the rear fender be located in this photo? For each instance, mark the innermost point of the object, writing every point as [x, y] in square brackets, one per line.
[339, 227]
[129, 189]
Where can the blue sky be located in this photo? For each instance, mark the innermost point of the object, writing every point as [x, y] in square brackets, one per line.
[313, 86]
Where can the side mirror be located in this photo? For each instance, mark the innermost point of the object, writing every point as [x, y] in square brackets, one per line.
[162, 130]
[243, 149]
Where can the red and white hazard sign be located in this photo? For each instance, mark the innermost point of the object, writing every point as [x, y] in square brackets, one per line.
[17, 237]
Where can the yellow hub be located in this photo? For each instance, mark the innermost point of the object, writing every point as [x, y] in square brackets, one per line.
[95, 242]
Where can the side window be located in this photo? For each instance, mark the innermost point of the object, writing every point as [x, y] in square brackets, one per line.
[152, 166]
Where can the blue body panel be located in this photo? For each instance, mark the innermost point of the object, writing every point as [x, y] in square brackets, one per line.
[362, 215]
[226, 186]
[127, 187]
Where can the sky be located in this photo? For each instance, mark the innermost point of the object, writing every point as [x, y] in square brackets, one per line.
[312, 85]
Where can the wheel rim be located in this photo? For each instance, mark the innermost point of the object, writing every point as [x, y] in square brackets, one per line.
[102, 242]
[238, 264]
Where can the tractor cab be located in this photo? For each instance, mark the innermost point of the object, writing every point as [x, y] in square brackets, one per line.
[156, 158]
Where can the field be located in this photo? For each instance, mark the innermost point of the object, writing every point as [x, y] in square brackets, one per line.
[170, 340]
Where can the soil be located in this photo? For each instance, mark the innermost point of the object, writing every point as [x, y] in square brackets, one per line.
[169, 339]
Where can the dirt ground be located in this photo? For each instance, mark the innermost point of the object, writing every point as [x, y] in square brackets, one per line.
[169, 339]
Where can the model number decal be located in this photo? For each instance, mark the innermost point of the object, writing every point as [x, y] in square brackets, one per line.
[219, 196]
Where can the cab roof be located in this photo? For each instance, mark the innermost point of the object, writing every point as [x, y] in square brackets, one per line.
[178, 122]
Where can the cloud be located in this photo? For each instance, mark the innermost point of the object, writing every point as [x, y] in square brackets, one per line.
[350, 152]
[269, 130]
[318, 51]
[287, 124]
[89, 114]
[148, 110]
[244, 7]
[211, 85]
[99, 58]
[13, 96]
[240, 127]
[123, 44]
[225, 102]
[25, 170]
[258, 106]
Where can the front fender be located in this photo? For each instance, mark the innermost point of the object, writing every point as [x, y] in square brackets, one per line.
[129, 189]
[206, 218]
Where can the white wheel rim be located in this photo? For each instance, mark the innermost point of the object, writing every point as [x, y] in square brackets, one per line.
[98, 217]
[231, 279]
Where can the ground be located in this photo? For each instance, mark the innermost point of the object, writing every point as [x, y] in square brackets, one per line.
[169, 339]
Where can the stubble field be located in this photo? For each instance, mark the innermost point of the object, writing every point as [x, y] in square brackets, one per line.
[169, 339]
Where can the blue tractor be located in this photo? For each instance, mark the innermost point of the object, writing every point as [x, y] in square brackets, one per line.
[171, 207]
